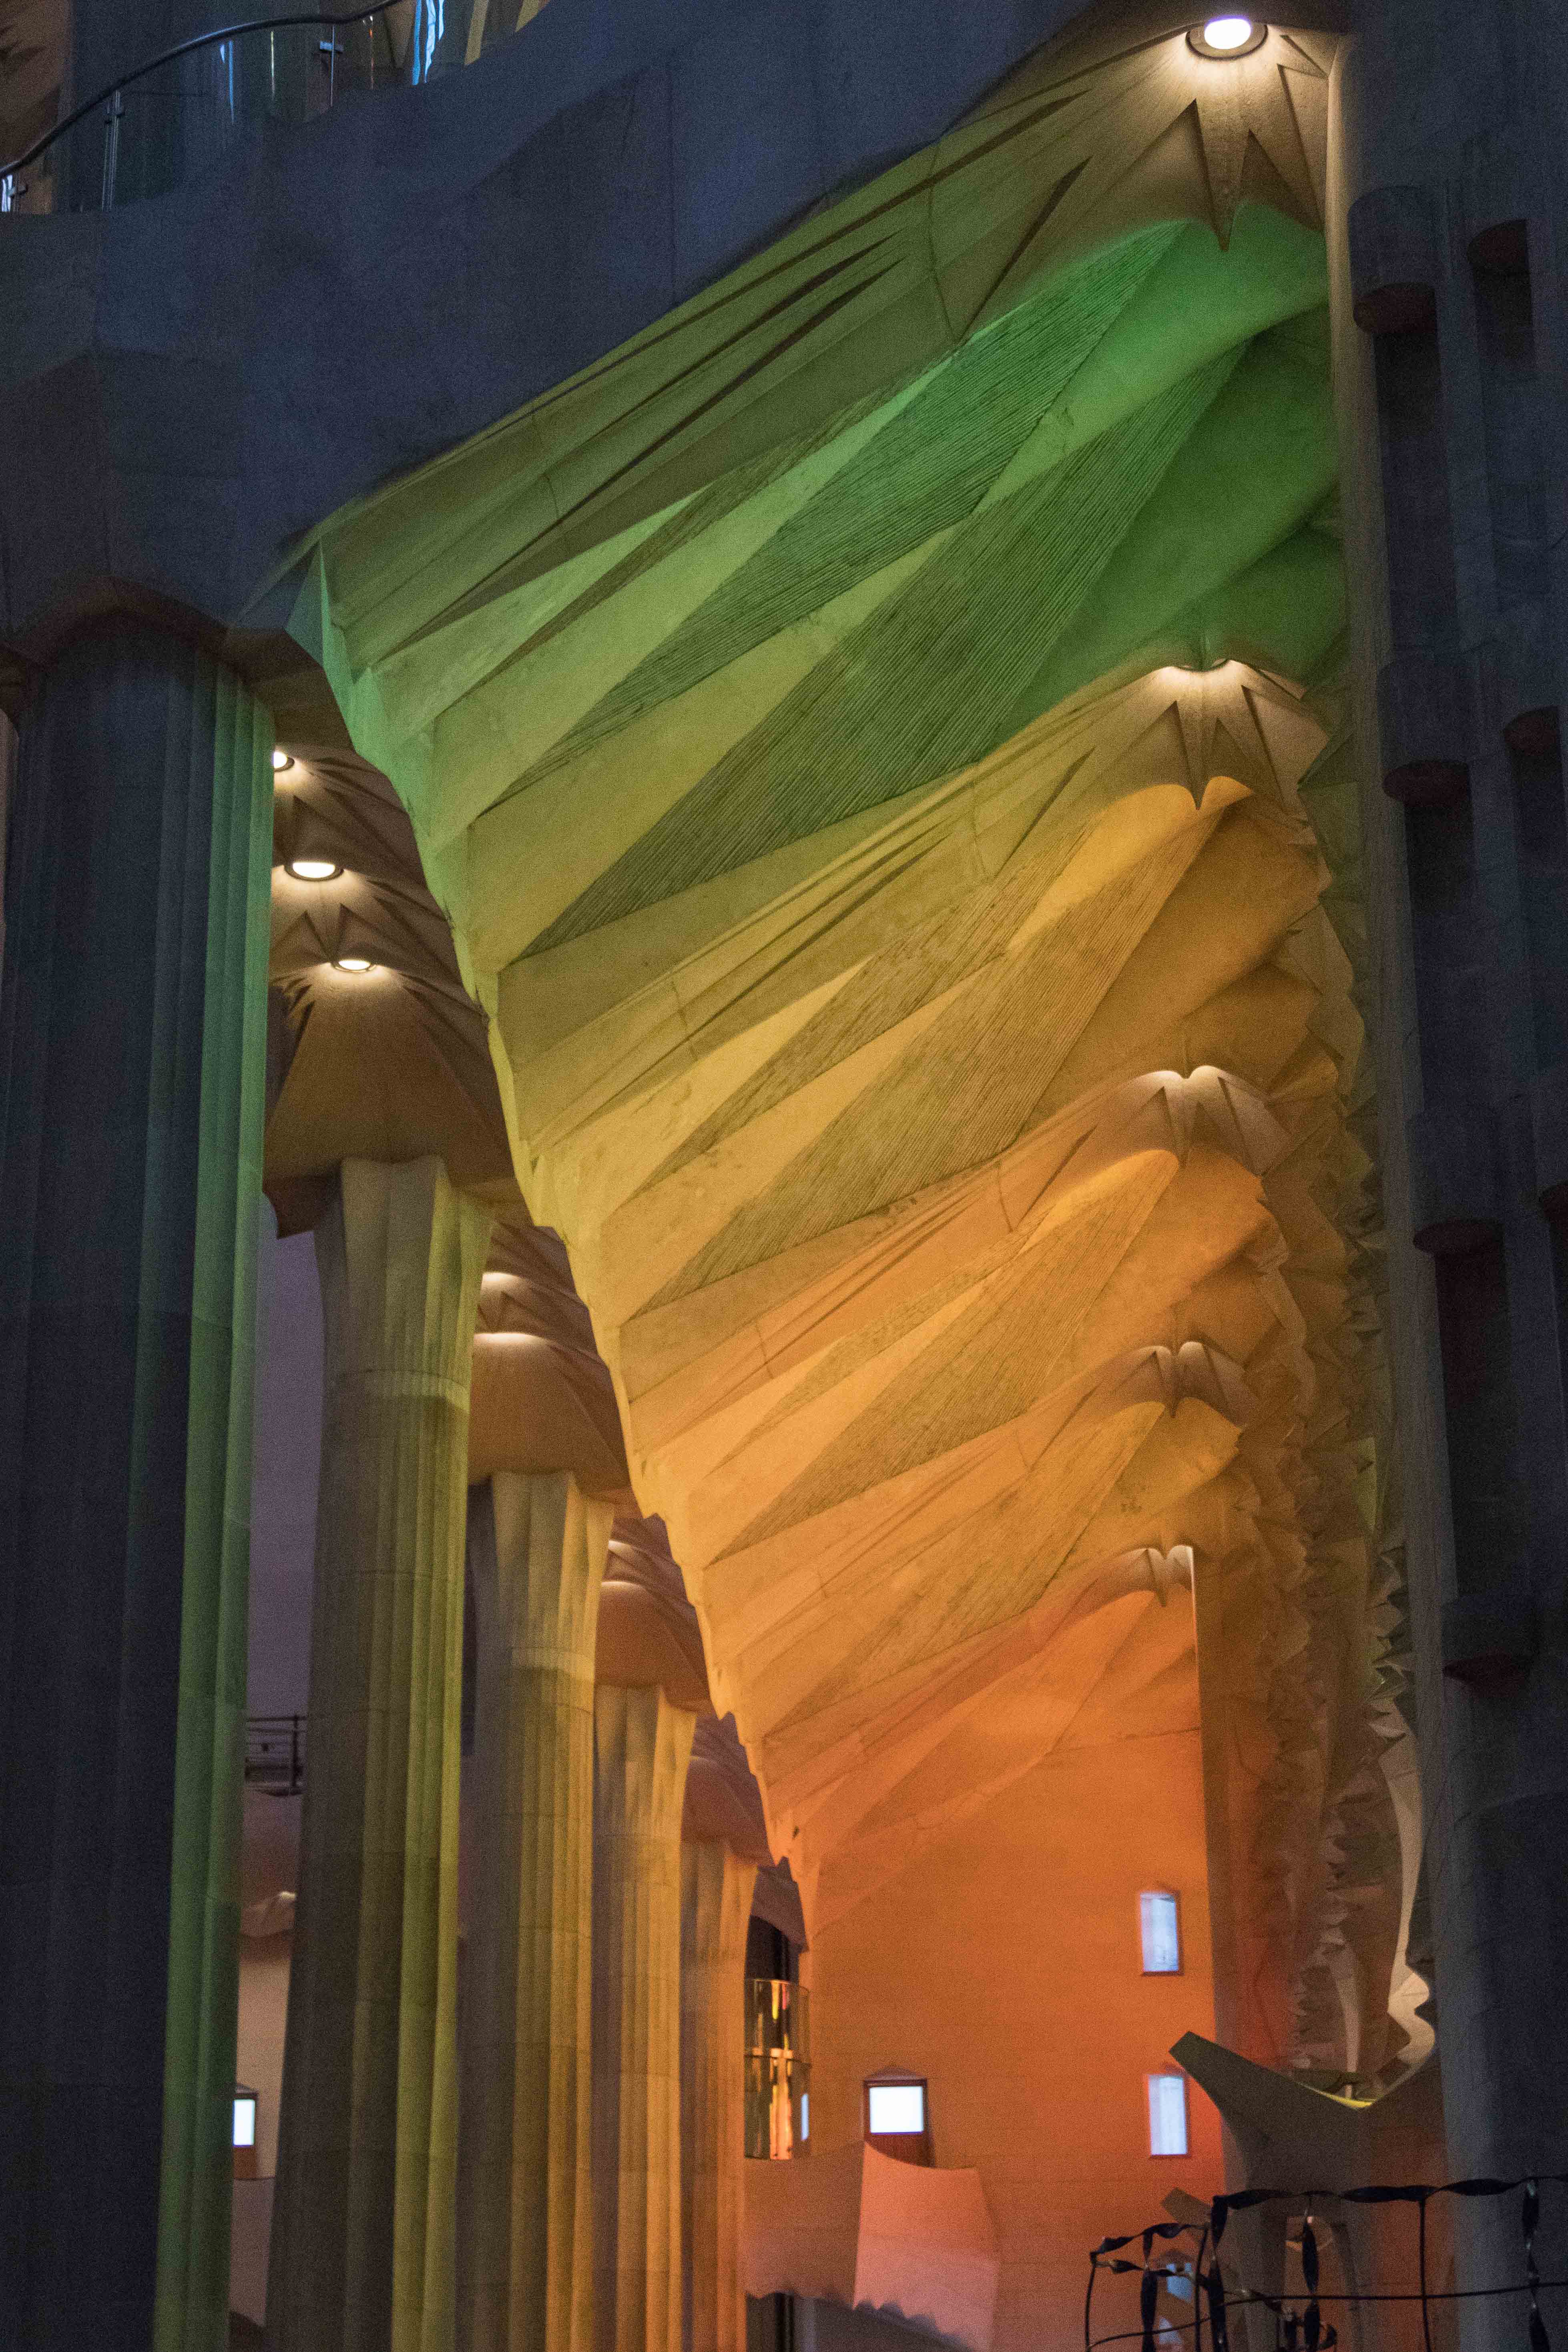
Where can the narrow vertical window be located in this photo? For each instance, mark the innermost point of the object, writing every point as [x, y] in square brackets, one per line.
[245, 2151]
[898, 2116]
[897, 2107]
[1167, 2114]
[1159, 1928]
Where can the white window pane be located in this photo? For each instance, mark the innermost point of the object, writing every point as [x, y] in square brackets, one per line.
[898, 2107]
[1158, 1918]
[805, 2114]
[1167, 2114]
[245, 2122]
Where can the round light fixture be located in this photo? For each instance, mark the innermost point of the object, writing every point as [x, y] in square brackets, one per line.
[313, 869]
[353, 964]
[1227, 36]
[281, 759]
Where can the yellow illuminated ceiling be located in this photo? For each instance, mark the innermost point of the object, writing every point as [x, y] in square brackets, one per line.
[877, 740]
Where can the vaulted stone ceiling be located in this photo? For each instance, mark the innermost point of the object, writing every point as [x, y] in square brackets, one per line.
[877, 741]
[385, 1064]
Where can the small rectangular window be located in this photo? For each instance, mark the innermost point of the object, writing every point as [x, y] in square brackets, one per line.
[245, 2120]
[1158, 1921]
[1167, 2114]
[805, 2114]
[897, 2107]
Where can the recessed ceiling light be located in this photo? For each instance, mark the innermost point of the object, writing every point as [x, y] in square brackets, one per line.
[281, 759]
[1227, 36]
[313, 869]
[353, 964]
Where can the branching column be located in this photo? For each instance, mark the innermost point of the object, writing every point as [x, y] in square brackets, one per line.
[642, 1747]
[363, 2235]
[132, 1037]
[715, 1907]
[537, 1548]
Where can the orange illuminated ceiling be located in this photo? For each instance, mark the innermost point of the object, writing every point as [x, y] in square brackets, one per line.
[878, 743]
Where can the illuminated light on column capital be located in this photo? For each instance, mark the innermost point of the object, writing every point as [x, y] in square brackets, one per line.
[1227, 36]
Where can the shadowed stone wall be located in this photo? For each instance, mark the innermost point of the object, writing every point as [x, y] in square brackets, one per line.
[1451, 343]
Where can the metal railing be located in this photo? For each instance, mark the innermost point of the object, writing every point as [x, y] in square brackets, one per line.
[1296, 2318]
[275, 1753]
[180, 110]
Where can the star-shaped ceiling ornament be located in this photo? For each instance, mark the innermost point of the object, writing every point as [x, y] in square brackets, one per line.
[1238, 721]
[1131, 116]
[1165, 725]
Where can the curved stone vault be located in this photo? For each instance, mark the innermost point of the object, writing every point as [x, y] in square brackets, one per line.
[878, 742]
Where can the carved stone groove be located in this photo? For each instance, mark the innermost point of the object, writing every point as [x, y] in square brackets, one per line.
[1394, 263]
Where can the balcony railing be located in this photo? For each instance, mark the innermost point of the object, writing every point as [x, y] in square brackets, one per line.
[275, 1754]
[183, 111]
[778, 2067]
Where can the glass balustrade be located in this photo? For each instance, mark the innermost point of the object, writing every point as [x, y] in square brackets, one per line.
[778, 2067]
[185, 113]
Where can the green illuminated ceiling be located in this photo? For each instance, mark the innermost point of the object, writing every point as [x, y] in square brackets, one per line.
[1136, 463]
[837, 528]
[916, 985]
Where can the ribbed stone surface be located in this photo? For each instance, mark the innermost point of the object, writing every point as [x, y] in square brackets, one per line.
[131, 1065]
[537, 1551]
[642, 1746]
[715, 1905]
[364, 2224]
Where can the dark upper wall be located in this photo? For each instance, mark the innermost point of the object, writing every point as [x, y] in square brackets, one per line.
[187, 381]
[108, 38]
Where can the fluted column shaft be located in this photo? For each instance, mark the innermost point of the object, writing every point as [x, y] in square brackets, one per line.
[642, 1746]
[537, 1550]
[715, 1907]
[133, 1017]
[363, 2229]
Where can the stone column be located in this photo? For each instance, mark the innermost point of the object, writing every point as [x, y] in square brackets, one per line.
[715, 1907]
[1448, 227]
[642, 1745]
[537, 1548]
[133, 1016]
[364, 2224]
